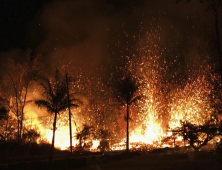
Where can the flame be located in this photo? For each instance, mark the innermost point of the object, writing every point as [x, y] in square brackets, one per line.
[159, 113]
[166, 104]
[186, 104]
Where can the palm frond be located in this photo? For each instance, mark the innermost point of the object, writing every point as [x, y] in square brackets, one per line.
[135, 99]
[55, 94]
[47, 89]
[45, 104]
[127, 88]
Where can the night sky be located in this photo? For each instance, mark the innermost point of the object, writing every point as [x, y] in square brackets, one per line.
[92, 33]
[15, 19]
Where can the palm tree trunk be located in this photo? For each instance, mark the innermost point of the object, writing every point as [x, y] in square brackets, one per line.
[53, 139]
[70, 122]
[127, 127]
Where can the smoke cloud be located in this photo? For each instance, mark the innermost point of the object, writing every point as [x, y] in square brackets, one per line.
[92, 34]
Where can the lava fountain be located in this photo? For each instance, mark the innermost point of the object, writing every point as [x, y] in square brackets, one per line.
[165, 105]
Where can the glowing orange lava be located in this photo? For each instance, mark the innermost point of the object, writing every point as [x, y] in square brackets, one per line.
[166, 104]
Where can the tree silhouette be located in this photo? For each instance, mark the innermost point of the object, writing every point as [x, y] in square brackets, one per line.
[198, 135]
[30, 135]
[105, 135]
[16, 83]
[5, 129]
[55, 99]
[126, 93]
[87, 133]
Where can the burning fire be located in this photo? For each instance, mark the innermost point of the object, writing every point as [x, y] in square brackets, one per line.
[166, 104]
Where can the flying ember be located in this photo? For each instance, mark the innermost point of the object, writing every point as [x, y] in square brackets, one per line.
[166, 102]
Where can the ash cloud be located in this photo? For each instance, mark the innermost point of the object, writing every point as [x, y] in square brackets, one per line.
[93, 33]
[76, 34]
[83, 32]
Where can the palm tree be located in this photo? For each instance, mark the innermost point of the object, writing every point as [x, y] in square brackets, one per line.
[55, 99]
[126, 90]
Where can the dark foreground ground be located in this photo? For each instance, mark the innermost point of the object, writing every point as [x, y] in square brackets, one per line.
[191, 161]
[123, 161]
